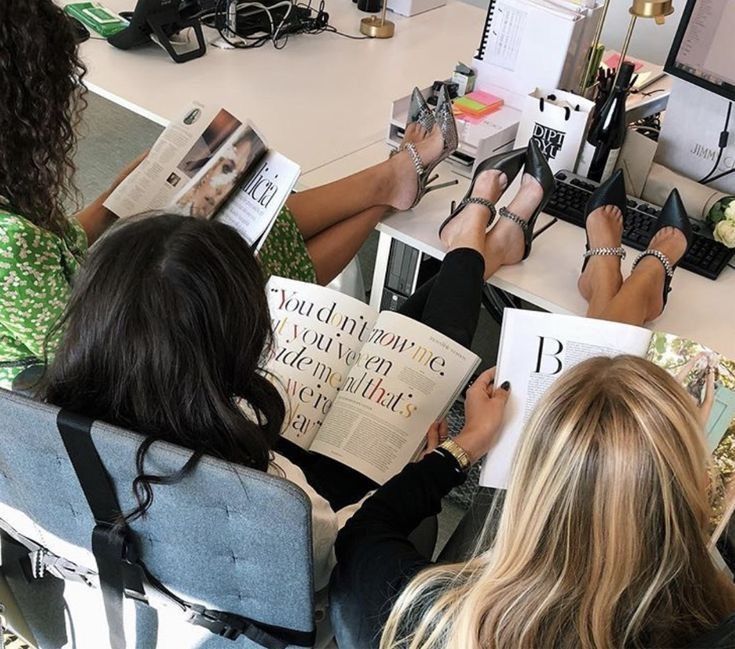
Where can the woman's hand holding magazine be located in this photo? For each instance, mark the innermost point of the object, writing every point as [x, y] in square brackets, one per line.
[484, 408]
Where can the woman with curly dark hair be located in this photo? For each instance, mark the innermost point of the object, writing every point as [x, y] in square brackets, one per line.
[40, 248]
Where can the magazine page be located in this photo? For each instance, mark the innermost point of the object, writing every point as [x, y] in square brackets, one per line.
[690, 363]
[405, 377]
[318, 333]
[535, 349]
[254, 206]
[193, 166]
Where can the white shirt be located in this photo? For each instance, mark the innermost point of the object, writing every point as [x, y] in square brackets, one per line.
[325, 522]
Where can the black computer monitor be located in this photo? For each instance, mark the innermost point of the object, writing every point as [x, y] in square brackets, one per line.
[702, 52]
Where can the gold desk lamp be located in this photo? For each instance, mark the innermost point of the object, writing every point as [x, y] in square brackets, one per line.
[656, 9]
[375, 27]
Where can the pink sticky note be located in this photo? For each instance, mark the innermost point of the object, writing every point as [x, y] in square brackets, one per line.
[613, 61]
[486, 98]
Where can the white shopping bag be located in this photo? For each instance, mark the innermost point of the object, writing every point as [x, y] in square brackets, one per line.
[557, 120]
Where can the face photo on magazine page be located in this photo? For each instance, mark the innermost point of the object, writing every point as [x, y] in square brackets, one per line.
[206, 146]
[227, 169]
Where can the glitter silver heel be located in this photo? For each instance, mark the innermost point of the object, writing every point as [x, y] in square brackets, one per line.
[419, 112]
[444, 118]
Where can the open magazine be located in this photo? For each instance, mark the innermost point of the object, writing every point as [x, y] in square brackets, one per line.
[208, 163]
[536, 348]
[362, 387]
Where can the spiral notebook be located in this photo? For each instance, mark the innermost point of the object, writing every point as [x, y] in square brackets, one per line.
[535, 43]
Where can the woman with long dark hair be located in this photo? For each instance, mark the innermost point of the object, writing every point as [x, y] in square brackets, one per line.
[166, 333]
[168, 328]
[42, 88]
[40, 248]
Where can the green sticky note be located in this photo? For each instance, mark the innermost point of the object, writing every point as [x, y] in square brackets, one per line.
[470, 104]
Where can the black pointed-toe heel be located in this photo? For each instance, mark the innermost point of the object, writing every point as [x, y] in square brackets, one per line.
[538, 168]
[673, 215]
[508, 163]
[611, 192]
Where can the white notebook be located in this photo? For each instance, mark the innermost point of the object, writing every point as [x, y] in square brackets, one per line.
[534, 43]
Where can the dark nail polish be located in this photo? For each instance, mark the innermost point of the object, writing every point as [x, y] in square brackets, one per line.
[505, 385]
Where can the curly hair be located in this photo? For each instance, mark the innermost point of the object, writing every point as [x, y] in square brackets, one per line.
[42, 98]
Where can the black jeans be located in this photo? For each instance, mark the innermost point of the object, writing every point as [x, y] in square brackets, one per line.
[448, 303]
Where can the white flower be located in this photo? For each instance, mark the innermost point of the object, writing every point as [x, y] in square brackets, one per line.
[725, 233]
[730, 211]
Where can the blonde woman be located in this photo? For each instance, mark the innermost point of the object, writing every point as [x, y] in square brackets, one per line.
[602, 541]
[601, 544]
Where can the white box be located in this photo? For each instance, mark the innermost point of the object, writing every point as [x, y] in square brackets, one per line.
[689, 143]
[413, 7]
[527, 44]
[495, 134]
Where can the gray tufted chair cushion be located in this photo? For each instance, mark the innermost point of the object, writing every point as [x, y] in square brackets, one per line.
[230, 538]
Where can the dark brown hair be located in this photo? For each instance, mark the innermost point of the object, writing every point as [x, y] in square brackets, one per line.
[166, 330]
[41, 98]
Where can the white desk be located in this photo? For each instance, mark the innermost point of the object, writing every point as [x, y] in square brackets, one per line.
[320, 98]
[332, 118]
[698, 308]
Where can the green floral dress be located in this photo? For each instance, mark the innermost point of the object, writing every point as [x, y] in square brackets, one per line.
[36, 268]
[284, 252]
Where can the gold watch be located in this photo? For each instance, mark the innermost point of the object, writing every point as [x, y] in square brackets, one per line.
[458, 453]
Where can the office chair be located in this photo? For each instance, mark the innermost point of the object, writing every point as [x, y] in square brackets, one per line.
[227, 547]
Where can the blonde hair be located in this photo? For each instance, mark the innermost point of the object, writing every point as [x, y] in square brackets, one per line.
[602, 541]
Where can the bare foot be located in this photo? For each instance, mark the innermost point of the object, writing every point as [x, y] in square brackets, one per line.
[672, 243]
[404, 185]
[605, 230]
[505, 242]
[414, 133]
[489, 185]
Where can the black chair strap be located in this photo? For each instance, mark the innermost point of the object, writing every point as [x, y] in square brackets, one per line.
[40, 561]
[120, 570]
[109, 539]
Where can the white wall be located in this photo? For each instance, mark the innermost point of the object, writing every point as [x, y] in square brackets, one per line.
[650, 41]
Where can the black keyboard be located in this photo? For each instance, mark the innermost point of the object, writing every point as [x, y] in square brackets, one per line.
[705, 257]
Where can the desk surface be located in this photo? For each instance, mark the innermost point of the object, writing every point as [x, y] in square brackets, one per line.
[333, 118]
[698, 308]
[339, 90]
